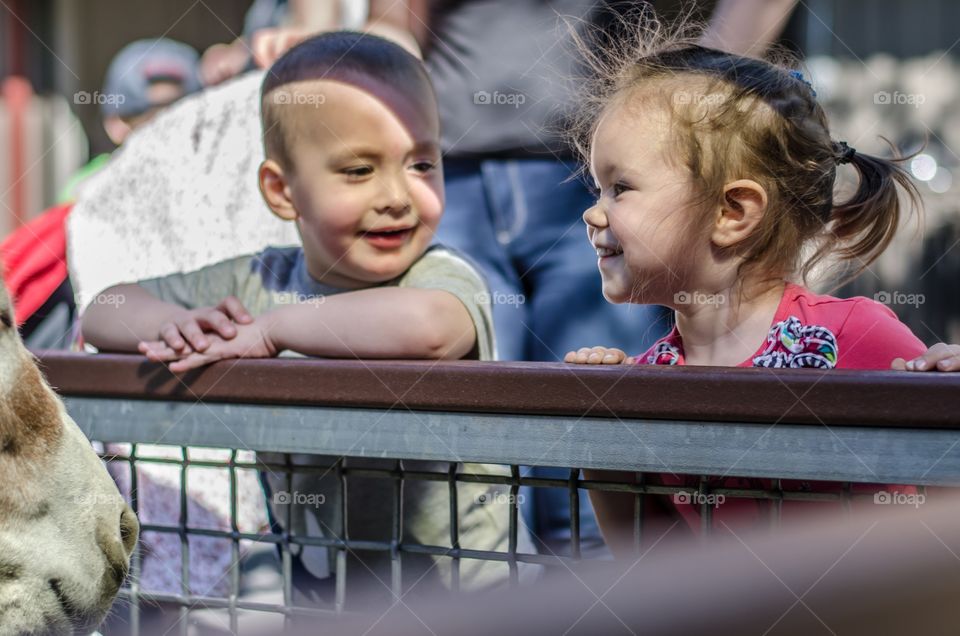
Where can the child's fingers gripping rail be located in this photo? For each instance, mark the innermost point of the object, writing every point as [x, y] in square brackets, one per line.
[250, 341]
[598, 355]
[190, 328]
[939, 357]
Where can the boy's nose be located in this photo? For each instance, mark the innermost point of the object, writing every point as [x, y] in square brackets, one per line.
[595, 217]
[394, 199]
[394, 207]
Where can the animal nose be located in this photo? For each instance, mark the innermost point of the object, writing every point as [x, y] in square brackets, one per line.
[117, 554]
[129, 530]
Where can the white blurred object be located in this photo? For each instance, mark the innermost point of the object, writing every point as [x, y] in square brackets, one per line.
[923, 167]
[180, 194]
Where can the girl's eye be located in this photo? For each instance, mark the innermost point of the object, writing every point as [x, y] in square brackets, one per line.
[424, 166]
[619, 188]
[358, 171]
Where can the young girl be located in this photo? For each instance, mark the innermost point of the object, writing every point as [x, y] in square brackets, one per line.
[716, 186]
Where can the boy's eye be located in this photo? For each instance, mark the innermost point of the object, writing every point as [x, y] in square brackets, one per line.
[358, 171]
[424, 166]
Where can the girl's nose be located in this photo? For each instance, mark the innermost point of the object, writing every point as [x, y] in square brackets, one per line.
[595, 217]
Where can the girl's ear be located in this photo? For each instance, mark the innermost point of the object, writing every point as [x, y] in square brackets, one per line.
[744, 204]
[273, 187]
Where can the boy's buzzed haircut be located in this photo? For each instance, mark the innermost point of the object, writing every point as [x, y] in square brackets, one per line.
[338, 55]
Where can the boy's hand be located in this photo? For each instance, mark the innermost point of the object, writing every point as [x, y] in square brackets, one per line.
[939, 357]
[598, 355]
[249, 341]
[188, 332]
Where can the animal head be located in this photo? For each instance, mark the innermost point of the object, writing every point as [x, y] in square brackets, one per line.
[66, 535]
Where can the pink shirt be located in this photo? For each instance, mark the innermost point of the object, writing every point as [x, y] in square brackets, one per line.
[808, 330]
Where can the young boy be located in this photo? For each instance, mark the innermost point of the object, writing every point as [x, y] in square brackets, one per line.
[351, 134]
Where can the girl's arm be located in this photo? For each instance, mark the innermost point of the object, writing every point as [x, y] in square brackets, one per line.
[614, 512]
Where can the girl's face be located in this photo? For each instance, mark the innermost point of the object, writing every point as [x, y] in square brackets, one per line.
[639, 220]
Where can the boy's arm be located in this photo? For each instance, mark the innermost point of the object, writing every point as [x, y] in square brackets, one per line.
[123, 316]
[386, 322]
[131, 316]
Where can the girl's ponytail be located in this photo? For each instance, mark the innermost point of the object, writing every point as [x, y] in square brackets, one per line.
[863, 226]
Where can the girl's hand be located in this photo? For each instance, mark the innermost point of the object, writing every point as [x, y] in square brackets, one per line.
[939, 357]
[249, 341]
[189, 331]
[598, 355]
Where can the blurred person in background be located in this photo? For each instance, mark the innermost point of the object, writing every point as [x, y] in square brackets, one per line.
[273, 26]
[145, 77]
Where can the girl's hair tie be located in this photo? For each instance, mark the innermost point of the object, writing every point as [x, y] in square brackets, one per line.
[799, 76]
[842, 152]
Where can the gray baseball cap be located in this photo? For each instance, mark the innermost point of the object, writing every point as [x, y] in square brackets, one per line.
[142, 63]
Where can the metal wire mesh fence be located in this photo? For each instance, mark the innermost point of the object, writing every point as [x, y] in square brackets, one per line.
[388, 562]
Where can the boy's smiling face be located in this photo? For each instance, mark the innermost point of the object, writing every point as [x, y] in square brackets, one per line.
[364, 181]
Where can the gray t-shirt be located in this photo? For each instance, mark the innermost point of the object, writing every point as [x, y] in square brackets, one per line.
[278, 276]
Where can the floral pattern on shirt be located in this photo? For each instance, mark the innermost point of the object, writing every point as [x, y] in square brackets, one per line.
[664, 353]
[791, 344]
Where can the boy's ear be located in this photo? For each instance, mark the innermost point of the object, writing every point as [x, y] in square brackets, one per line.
[273, 187]
[744, 204]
